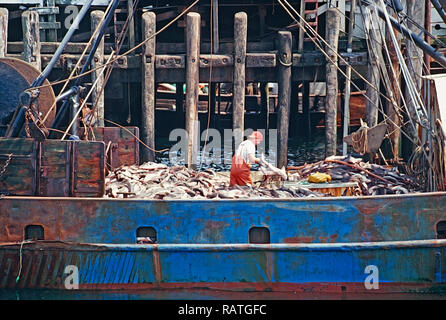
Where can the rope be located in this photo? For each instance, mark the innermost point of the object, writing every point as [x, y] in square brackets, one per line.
[360, 140]
[20, 262]
[139, 140]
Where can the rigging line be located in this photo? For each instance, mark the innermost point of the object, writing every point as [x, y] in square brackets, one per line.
[84, 102]
[404, 21]
[211, 18]
[420, 27]
[125, 53]
[393, 71]
[328, 46]
[120, 42]
[342, 72]
[441, 43]
[389, 86]
[403, 67]
[384, 73]
[75, 69]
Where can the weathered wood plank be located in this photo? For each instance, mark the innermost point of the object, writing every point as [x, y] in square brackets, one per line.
[260, 60]
[98, 94]
[284, 57]
[192, 81]
[148, 86]
[216, 60]
[165, 61]
[31, 38]
[240, 40]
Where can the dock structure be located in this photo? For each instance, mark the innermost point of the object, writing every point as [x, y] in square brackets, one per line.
[279, 59]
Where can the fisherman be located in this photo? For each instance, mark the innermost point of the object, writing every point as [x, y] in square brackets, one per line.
[243, 158]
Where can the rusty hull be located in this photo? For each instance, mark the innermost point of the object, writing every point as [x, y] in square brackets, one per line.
[317, 245]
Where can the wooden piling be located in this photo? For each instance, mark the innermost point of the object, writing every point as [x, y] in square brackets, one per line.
[332, 36]
[193, 21]
[3, 32]
[31, 38]
[98, 94]
[372, 71]
[285, 59]
[240, 44]
[148, 86]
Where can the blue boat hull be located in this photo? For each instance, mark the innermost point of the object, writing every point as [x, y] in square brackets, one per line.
[316, 246]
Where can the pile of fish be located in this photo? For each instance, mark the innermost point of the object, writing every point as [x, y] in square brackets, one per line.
[372, 179]
[158, 181]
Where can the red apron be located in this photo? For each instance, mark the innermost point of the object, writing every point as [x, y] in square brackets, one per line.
[240, 172]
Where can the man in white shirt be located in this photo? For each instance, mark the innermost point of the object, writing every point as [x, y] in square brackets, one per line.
[243, 158]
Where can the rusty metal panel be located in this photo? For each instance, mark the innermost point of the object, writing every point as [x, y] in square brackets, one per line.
[18, 166]
[124, 147]
[88, 168]
[55, 169]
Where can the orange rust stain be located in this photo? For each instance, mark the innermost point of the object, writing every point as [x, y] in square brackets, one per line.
[333, 237]
[215, 224]
[369, 209]
[299, 239]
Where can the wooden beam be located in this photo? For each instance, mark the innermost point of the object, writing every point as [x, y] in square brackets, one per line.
[3, 32]
[31, 38]
[284, 57]
[148, 86]
[240, 40]
[98, 60]
[332, 36]
[192, 82]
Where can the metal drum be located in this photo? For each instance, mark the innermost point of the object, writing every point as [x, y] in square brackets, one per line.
[15, 77]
